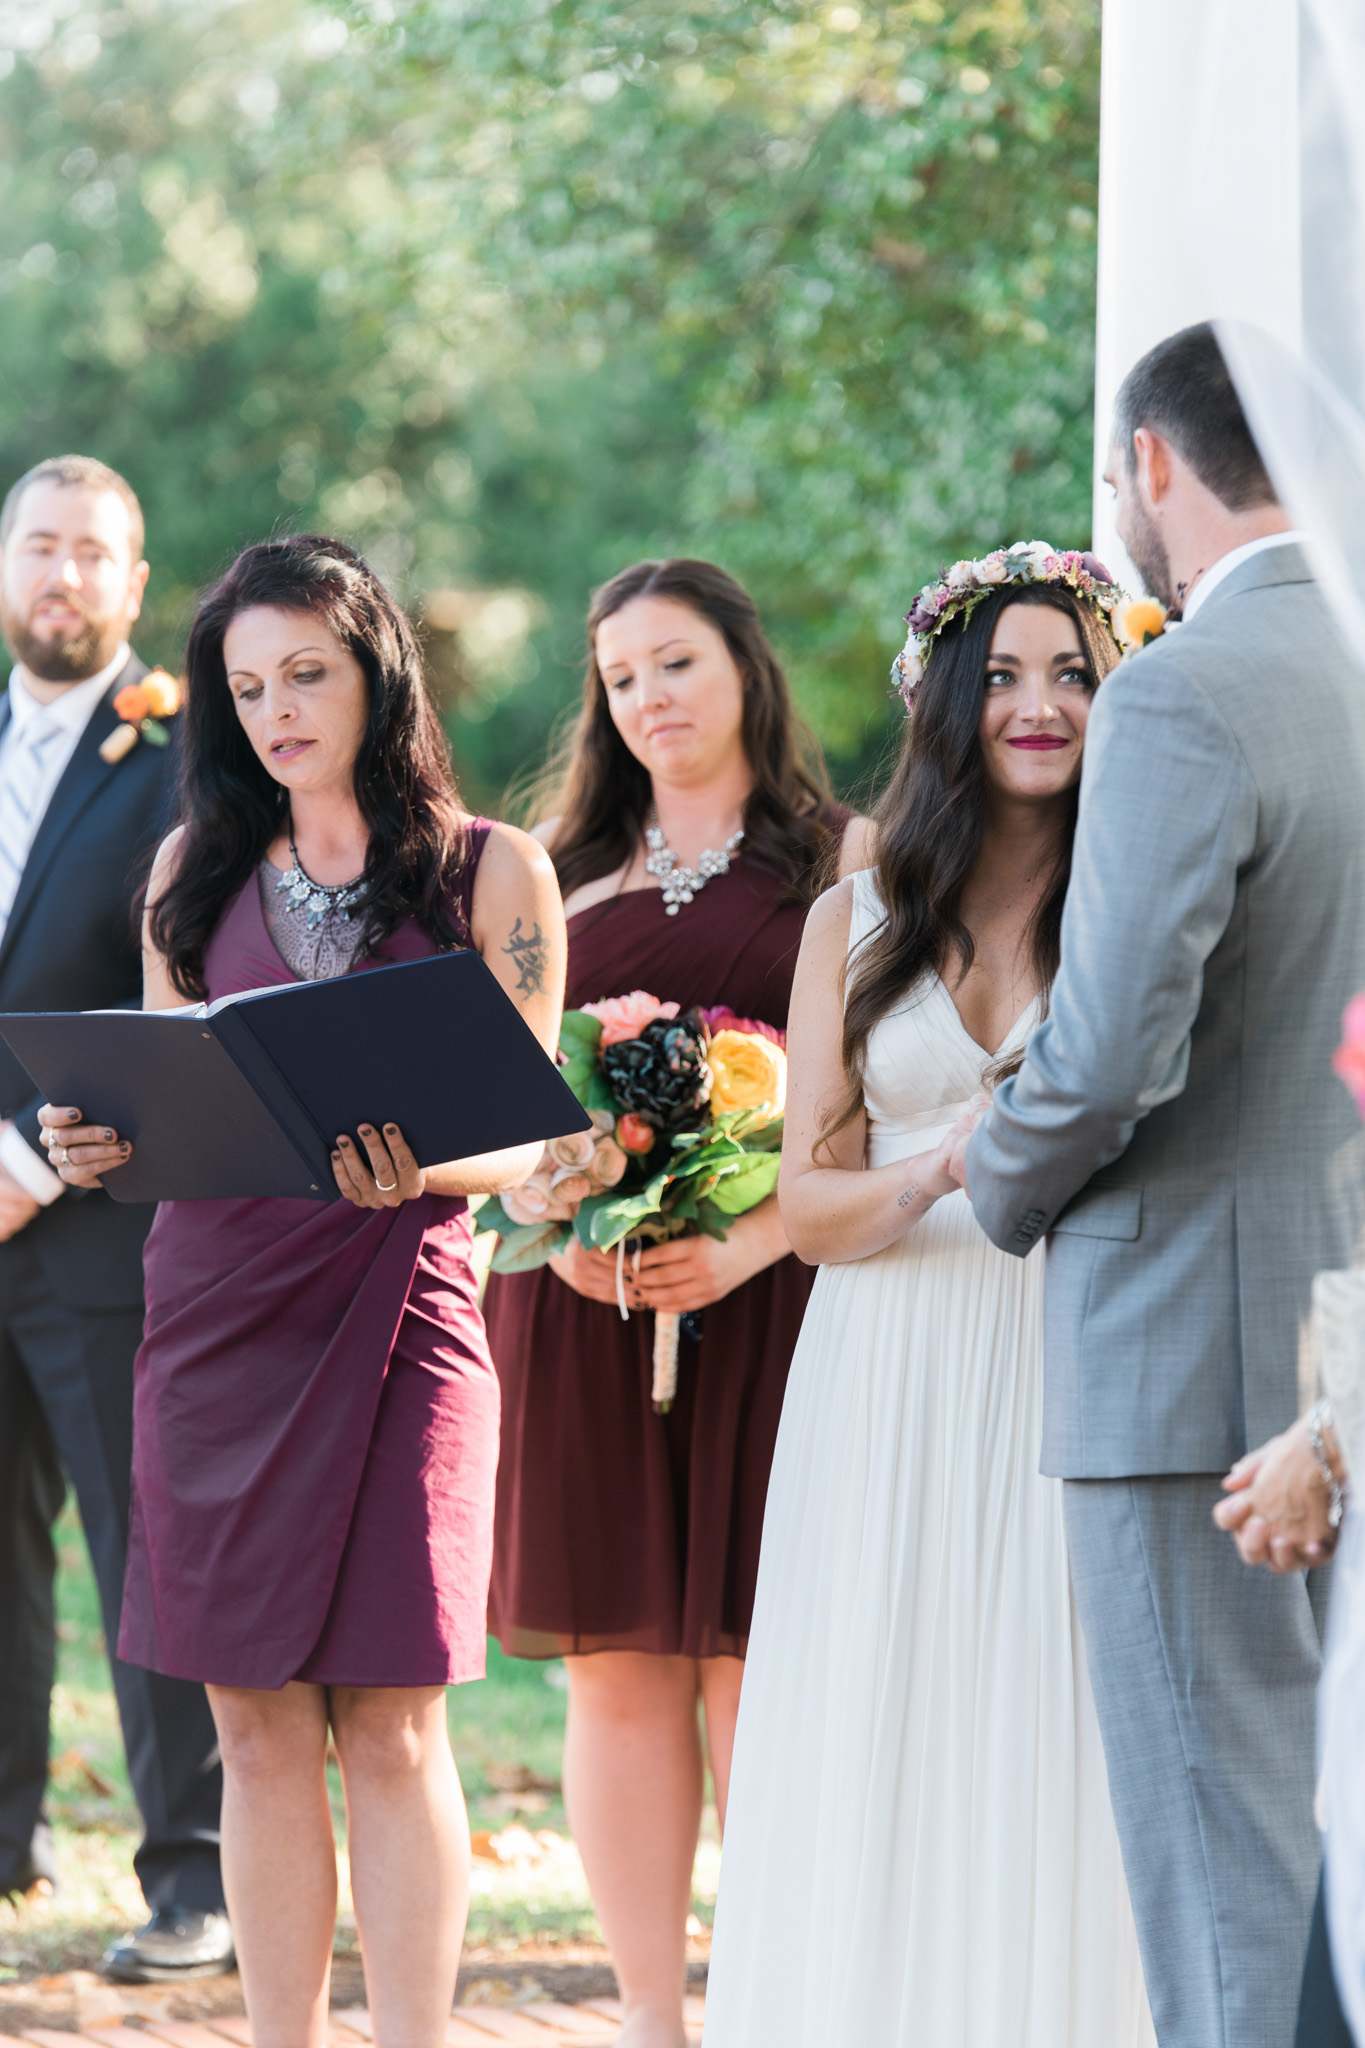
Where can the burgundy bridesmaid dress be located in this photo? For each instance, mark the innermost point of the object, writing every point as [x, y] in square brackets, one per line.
[315, 1420]
[620, 1529]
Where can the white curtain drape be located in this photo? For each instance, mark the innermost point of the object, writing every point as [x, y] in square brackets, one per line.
[1199, 188]
[1307, 404]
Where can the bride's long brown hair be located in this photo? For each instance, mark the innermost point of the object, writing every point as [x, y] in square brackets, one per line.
[601, 794]
[929, 826]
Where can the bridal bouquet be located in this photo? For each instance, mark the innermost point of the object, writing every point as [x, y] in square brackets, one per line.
[687, 1128]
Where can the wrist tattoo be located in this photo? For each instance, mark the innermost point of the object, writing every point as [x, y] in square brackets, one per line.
[530, 956]
[911, 1195]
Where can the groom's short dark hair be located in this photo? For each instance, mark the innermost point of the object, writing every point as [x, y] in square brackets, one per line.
[1181, 390]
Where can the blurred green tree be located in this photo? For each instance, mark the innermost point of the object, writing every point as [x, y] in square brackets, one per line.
[855, 245]
[512, 291]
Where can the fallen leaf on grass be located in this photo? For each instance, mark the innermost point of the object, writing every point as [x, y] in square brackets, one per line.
[503, 1991]
[74, 1767]
[518, 1778]
[515, 1845]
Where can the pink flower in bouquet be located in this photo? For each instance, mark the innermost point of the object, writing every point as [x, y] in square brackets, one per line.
[535, 1201]
[570, 1186]
[634, 1133]
[726, 1020]
[575, 1150]
[623, 1017]
[608, 1163]
[1349, 1058]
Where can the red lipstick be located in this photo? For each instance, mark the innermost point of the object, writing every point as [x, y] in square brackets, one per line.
[1041, 742]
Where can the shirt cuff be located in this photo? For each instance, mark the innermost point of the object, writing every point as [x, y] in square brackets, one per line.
[29, 1168]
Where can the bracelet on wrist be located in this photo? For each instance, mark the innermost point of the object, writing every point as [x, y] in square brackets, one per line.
[1319, 1418]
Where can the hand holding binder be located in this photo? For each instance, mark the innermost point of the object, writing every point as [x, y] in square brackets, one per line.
[247, 1096]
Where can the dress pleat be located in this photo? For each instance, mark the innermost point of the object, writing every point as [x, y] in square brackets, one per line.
[920, 1848]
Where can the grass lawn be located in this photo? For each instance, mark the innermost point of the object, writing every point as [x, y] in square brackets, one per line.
[506, 1732]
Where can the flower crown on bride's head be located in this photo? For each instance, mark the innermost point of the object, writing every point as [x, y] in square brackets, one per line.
[961, 589]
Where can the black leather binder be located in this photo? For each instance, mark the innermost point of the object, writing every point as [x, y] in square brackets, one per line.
[248, 1095]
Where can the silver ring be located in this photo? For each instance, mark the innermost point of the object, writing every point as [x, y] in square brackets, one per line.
[65, 1158]
[386, 1187]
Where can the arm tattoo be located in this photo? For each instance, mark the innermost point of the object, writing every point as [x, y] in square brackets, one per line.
[911, 1195]
[530, 956]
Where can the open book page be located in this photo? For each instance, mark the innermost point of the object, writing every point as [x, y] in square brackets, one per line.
[247, 995]
[176, 1010]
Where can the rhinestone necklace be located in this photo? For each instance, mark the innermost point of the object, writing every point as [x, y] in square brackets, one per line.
[319, 899]
[678, 883]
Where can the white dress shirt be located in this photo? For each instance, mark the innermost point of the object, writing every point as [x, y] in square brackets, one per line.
[72, 711]
[1225, 565]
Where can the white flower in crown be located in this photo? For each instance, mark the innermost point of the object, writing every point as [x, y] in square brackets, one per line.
[962, 575]
[992, 569]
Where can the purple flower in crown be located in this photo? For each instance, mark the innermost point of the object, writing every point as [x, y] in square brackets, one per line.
[1093, 566]
[923, 616]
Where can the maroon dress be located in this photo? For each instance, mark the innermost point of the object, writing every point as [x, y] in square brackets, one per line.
[620, 1529]
[315, 1421]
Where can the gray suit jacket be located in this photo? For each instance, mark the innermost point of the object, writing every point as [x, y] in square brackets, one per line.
[1176, 1128]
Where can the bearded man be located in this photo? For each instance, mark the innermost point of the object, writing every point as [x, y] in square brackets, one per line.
[80, 808]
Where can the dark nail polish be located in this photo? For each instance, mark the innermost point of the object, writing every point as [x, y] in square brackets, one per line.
[73, 1116]
[108, 1137]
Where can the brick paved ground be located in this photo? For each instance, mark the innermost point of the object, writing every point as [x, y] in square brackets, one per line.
[526, 1998]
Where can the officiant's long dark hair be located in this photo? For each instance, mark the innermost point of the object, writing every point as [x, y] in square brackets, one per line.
[230, 805]
[930, 823]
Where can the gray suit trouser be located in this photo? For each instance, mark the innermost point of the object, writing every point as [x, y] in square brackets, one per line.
[1204, 1674]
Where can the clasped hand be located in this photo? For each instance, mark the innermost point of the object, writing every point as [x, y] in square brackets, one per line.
[380, 1176]
[683, 1273]
[1276, 1510]
[951, 1156]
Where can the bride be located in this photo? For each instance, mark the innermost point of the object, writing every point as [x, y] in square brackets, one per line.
[919, 1847]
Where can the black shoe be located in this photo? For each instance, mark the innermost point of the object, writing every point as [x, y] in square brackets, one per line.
[177, 1942]
[36, 1874]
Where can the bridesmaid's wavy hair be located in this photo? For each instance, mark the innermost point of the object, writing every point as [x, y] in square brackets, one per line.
[231, 806]
[601, 793]
[929, 825]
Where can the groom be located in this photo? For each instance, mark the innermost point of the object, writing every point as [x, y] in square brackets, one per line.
[1177, 1136]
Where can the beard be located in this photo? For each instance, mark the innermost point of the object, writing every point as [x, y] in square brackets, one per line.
[73, 659]
[1147, 553]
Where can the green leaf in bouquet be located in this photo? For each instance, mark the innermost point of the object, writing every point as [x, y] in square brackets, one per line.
[705, 1158]
[767, 1138]
[603, 1220]
[746, 1185]
[599, 1095]
[580, 1036]
[491, 1215]
[711, 1221]
[528, 1245]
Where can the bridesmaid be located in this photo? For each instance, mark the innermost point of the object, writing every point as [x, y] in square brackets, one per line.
[316, 1418]
[628, 1541]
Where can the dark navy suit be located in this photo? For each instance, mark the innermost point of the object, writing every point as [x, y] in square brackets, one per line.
[70, 1324]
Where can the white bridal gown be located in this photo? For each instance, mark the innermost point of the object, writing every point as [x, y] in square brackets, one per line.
[920, 1850]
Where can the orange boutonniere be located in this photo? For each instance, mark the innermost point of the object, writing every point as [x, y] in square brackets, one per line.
[141, 707]
[1137, 622]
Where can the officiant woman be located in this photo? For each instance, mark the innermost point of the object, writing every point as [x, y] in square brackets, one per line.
[317, 1416]
[628, 1541]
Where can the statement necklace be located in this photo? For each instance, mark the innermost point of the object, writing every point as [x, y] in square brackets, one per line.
[319, 899]
[678, 883]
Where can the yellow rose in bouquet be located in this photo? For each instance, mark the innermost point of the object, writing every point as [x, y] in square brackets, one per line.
[747, 1073]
